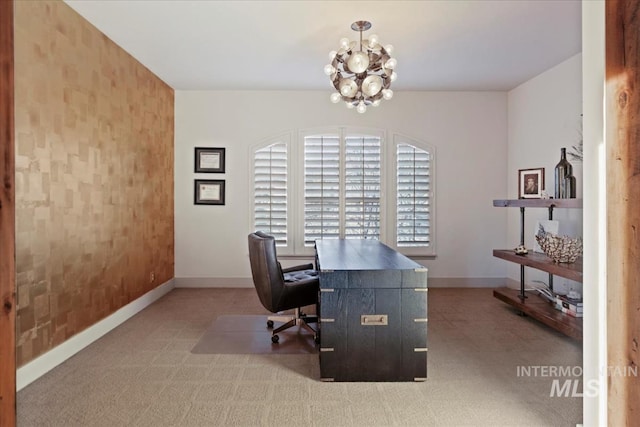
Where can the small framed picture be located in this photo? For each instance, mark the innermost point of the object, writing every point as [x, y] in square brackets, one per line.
[209, 160]
[208, 192]
[530, 183]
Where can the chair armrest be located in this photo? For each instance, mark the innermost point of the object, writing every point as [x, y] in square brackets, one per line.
[298, 268]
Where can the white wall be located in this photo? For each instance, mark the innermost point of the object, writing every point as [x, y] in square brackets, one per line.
[468, 129]
[544, 115]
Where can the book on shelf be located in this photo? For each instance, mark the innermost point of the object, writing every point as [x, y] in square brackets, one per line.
[569, 299]
[568, 311]
[569, 303]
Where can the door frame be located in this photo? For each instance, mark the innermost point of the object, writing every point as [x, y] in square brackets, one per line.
[7, 220]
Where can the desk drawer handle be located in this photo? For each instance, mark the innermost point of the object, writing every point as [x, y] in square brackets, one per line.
[374, 319]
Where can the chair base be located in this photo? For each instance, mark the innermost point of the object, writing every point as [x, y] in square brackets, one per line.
[291, 320]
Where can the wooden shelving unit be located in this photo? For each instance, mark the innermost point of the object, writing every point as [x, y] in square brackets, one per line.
[542, 262]
[531, 303]
[541, 310]
[539, 203]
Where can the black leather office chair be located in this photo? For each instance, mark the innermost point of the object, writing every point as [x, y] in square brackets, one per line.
[282, 289]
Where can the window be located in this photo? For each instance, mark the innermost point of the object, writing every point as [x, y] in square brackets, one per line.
[362, 188]
[321, 188]
[336, 183]
[341, 187]
[270, 191]
[413, 194]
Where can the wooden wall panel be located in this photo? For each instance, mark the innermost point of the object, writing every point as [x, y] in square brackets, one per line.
[94, 176]
[7, 222]
[623, 209]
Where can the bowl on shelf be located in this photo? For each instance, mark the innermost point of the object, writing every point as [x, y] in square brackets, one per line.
[559, 248]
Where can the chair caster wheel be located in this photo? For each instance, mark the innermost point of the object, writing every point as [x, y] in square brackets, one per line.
[275, 339]
[269, 324]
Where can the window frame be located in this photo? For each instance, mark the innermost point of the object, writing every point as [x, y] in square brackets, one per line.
[287, 139]
[430, 250]
[294, 141]
[341, 132]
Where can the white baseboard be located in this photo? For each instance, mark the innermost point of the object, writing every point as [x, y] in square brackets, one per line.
[33, 370]
[247, 282]
[213, 282]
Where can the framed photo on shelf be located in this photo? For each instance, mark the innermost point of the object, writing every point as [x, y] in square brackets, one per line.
[209, 160]
[208, 192]
[530, 183]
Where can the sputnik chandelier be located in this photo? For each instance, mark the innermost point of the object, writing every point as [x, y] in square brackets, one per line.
[362, 74]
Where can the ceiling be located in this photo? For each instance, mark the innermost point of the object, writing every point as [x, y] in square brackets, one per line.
[284, 45]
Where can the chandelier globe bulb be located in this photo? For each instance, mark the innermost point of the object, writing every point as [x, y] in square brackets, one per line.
[348, 88]
[361, 108]
[391, 63]
[358, 62]
[335, 97]
[329, 69]
[372, 85]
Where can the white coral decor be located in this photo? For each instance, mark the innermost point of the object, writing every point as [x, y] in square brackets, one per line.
[559, 248]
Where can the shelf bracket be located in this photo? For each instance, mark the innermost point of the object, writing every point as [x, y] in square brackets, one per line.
[522, 294]
[551, 275]
[522, 225]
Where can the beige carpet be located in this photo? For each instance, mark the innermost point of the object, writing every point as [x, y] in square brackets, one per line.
[233, 334]
[144, 374]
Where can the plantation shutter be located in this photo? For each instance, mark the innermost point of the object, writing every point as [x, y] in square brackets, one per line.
[362, 188]
[413, 197]
[270, 191]
[321, 188]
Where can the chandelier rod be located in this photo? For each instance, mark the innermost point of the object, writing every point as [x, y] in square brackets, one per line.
[361, 26]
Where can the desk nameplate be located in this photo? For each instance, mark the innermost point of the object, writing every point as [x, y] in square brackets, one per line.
[374, 319]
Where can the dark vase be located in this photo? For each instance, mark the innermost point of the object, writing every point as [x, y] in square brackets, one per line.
[565, 187]
[570, 184]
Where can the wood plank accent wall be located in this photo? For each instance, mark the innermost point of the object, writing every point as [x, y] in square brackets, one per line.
[7, 222]
[94, 176]
[623, 209]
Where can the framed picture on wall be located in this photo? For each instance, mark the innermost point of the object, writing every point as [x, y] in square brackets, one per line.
[208, 192]
[530, 183]
[209, 160]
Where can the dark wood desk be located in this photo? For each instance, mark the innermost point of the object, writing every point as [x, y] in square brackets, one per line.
[373, 313]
